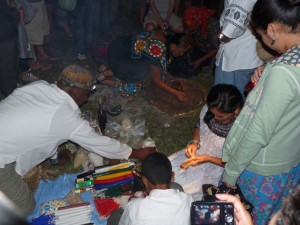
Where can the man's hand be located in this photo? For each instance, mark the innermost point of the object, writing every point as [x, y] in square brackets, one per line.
[224, 39]
[142, 153]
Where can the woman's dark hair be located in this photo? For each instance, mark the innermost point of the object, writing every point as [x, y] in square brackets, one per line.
[225, 97]
[290, 210]
[181, 40]
[157, 168]
[286, 12]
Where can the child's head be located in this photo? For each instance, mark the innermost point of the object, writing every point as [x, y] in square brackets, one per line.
[224, 102]
[157, 171]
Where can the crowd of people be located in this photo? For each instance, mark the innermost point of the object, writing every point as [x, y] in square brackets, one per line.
[251, 141]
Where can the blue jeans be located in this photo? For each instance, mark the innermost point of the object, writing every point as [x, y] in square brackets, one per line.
[84, 19]
[9, 66]
[238, 78]
[102, 19]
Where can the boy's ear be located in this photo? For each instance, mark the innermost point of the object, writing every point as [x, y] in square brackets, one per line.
[146, 182]
[173, 177]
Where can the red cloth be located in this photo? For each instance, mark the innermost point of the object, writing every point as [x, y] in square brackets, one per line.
[105, 206]
[195, 18]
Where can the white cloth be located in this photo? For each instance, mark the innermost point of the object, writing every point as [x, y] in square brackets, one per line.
[36, 118]
[240, 52]
[167, 207]
[162, 7]
[193, 178]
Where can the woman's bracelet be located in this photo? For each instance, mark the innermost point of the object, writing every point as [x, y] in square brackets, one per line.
[194, 141]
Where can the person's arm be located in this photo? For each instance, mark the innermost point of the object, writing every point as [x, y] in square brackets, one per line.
[142, 153]
[156, 13]
[257, 74]
[170, 11]
[156, 79]
[211, 53]
[279, 91]
[241, 215]
[194, 144]
[200, 159]
[233, 27]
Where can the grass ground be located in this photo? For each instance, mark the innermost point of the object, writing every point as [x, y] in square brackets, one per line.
[170, 133]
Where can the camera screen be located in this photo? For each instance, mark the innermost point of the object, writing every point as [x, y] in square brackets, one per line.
[207, 214]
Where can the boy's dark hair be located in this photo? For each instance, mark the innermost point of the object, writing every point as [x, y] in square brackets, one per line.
[225, 97]
[157, 168]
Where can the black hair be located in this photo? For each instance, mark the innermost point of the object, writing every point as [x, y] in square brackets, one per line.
[225, 97]
[157, 168]
[286, 12]
[290, 210]
[181, 40]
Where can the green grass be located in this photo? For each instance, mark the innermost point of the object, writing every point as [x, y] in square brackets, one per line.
[170, 133]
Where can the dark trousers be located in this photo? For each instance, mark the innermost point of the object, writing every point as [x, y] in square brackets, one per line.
[8, 66]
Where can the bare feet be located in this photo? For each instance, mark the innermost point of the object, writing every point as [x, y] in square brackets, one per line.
[39, 65]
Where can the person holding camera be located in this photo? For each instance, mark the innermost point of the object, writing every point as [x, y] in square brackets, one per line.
[289, 214]
[262, 149]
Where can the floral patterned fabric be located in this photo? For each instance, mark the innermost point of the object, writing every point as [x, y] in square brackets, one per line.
[266, 194]
[144, 44]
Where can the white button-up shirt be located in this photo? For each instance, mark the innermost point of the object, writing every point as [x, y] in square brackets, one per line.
[36, 118]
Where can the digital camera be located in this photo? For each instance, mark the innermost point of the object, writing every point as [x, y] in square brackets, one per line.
[206, 213]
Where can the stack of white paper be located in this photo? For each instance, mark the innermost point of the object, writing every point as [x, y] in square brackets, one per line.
[74, 215]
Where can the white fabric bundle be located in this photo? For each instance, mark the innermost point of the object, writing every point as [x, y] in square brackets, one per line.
[74, 214]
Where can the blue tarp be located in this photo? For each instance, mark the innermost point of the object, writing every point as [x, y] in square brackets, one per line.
[49, 190]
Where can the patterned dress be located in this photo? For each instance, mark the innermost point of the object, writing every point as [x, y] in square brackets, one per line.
[130, 59]
[193, 178]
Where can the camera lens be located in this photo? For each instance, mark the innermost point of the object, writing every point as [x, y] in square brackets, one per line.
[228, 218]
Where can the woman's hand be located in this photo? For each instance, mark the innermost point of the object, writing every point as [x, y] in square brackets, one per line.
[257, 74]
[191, 149]
[241, 215]
[227, 184]
[199, 159]
[196, 63]
[181, 96]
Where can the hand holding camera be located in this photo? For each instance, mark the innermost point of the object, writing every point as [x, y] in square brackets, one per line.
[241, 215]
[206, 213]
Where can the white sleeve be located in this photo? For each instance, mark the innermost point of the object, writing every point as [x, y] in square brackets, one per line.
[235, 17]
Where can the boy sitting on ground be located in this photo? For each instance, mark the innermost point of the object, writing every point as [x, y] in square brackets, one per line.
[163, 205]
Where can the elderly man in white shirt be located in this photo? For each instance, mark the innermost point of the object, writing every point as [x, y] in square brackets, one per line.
[36, 118]
[236, 59]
